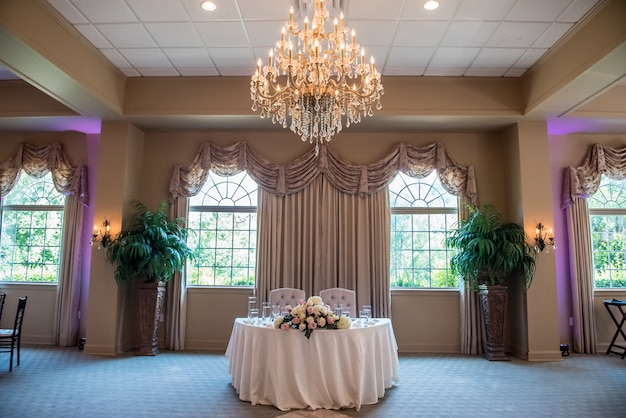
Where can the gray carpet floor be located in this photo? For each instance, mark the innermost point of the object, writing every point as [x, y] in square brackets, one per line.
[65, 382]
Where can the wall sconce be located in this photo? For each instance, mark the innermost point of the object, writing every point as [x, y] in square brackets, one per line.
[544, 239]
[99, 236]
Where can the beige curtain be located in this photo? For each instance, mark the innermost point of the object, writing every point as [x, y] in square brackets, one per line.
[471, 316]
[176, 295]
[321, 238]
[70, 180]
[324, 221]
[70, 278]
[578, 184]
[581, 273]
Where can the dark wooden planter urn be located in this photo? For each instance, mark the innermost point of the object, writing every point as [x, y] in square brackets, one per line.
[493, 305]
[151, 297]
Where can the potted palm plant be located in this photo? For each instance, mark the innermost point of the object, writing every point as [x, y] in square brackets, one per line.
[490, 251]
[149, 253]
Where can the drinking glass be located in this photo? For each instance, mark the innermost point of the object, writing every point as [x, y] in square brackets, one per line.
[275, 311]
[254, 316]
[368, 311]
[346, 311]
[251, 304]
[267, 312]
[364, 319]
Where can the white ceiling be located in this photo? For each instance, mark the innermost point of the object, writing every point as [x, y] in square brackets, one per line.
[461, 38]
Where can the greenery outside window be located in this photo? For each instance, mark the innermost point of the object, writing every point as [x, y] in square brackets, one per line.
[607, 218]
[422, 212]
[31, 231]
[222, 223]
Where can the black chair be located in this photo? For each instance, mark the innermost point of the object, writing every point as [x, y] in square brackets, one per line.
[10, 339]
[3, 297]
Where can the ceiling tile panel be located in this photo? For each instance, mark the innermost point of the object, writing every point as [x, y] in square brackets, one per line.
[362, 9]
[169, 35]
[403, 71]
[264, 9]
[93, 36]
[188, 57]
[264, 33]
[146, 58]
[576, 10]
[454, 57]
[69, 12]
[420, 33]
[529, 57]
[538, 10]
[130, 72]
[497, 57]
[469, 33]
[517, 34]
[233, 57]
[486, 10]
[485, 72]
[127, 35]
[116, 58]
[444, 71]
[223, 34]
[197, 71]
[158, 72]
[373, 33]
[409, 57]
[109, 11]
[159, 10]
[553, 34]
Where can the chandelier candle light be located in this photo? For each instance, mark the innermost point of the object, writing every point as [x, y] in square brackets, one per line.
[316, 79]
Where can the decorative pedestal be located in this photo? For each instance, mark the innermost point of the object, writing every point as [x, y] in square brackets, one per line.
[493, 304]
[151, 296]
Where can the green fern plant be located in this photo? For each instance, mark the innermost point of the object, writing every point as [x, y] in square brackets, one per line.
[489, 250]
[153, 249]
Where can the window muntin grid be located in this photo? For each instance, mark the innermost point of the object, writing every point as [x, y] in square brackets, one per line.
[422, 212]
[607, 219]
[223, 220]
[31, 231]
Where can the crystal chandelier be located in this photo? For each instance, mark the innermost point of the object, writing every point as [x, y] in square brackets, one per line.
[318, 81]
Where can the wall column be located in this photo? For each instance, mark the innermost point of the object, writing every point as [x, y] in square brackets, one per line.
[540, 307]
[109, 326]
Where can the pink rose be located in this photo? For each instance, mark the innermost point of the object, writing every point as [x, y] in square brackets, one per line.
[310, 319]
[310, 310]
[302, 301]
[284, 326]
[288, 308]
[296, 320]
[312, 325]
[330, 320]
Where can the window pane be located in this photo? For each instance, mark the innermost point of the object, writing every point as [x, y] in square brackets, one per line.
[607, 217]
[222, 220]
[32, 226]
[421, 214]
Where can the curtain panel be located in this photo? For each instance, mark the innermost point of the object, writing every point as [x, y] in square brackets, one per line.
[71, 181]
[578, 184]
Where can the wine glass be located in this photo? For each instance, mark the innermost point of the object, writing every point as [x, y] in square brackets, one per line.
[275, 311]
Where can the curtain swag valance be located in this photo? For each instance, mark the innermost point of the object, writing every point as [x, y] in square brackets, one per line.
[345, 176]
[37, 162]
[582, 182]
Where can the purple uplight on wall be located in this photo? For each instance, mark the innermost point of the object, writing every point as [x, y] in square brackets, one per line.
[82, 124]
[564, 126]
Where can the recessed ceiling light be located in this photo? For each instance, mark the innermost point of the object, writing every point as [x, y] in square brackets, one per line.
[431, 5]
[208, 6]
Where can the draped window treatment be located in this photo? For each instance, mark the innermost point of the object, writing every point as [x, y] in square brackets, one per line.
[578, 184]
[70, 180]
[323, 221]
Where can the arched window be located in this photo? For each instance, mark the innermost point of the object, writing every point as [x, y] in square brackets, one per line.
[607, 217]
[31, 232]
[222, 220]
[422, 212]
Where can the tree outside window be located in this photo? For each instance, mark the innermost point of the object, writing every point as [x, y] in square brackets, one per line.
[422, 212]
[607, 218]
[31, 231]
[222, 222]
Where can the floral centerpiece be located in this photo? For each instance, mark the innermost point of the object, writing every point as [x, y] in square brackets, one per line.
[310, 315]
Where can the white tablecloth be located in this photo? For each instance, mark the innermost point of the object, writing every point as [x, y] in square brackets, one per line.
[331, 370]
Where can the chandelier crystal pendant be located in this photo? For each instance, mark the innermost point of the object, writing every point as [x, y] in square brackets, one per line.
[314, 81]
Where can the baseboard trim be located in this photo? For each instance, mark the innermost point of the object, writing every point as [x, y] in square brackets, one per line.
[545, 355]
[100, 350]
[428, 349]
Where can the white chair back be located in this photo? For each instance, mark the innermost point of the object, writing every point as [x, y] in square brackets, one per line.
[286, 296]
[340, 296]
